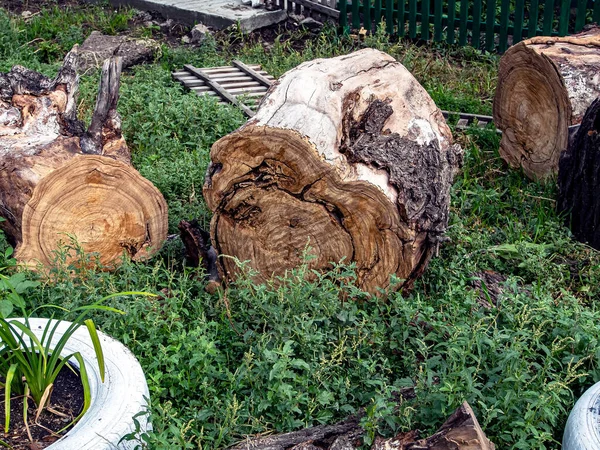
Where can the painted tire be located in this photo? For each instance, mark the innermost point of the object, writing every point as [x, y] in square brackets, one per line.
[123, 394]
[582, 431]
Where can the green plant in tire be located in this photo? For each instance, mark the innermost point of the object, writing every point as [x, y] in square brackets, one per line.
[29, 365]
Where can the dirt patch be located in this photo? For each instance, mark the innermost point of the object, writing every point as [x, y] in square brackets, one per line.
[66, 402]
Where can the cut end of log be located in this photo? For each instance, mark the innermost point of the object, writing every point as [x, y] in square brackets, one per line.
[545, 85]
[106, 206]
[347, 159]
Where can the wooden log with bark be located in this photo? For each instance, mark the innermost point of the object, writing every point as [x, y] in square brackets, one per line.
[545, 84]
[347, 157]
[579, 180]
[59, 181]
[460, 432]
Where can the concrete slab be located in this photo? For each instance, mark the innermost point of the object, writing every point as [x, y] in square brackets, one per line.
[213, 13]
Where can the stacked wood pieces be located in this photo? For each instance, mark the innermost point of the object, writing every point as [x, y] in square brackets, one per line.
[545, 85]
[347, 158]
[60, 182]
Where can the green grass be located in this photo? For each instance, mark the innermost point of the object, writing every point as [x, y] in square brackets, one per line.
[262, 358]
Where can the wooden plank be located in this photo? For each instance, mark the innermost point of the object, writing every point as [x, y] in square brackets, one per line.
[489, 25]
[532, 25]
[237, 91]
[475, 41]
[462, 123]
[252, 73]
[218, 89]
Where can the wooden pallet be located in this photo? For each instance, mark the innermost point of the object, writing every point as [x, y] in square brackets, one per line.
[244, 85]
[239, 84]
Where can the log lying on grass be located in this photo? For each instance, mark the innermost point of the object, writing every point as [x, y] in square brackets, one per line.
[545, 84]
[349, 157]
[460, 432]
[58, 180]
[579, 180]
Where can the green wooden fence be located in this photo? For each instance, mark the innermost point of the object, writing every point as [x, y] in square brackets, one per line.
[492, 25]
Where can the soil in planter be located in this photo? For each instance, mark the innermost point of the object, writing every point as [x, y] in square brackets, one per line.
[66, 399]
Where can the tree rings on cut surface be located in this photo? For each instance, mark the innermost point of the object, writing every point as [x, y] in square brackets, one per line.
[545, 84]
[60, 182]
[347, 159]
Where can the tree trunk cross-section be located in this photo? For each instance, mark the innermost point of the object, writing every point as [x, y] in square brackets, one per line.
[347, 159]
[545, 85]
[59, 181]
[579, 180]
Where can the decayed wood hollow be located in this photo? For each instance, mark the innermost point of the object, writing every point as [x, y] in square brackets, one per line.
[348, 157]
[579, 180]
[545, 84]
[59, 181]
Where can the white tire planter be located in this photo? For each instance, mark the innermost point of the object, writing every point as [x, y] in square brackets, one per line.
[123, 394]
[582, 431]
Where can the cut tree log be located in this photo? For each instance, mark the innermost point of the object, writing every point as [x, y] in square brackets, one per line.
[460, 432]
[60, 182]
[347, 157]
[579, 180]
[545, 84]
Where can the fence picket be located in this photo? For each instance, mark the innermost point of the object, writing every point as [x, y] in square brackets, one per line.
[412, 19]
[355, 15]
[344, 16]
[377, 13]
[580, 19]
[596, 16]
[489, 25]
[464, 17]
[401, 17]
[437, 21]
[425, 20]
[367, 14]
[563, 22]
[389, 16]
[532, 25]
[518, 23]
[548, 17]
[476, 23]
[451, 16]
[504, 13]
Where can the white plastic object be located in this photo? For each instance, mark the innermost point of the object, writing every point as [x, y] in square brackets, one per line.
[582, 431]
[123, 394]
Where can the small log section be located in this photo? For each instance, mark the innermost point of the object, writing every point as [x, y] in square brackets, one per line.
[545, 85]
[58, 180]
[460, 432]
[579, 180]
[348, 157]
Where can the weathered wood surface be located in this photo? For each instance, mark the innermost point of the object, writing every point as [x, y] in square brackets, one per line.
[347, 156]
[59, 181]
[460, 432]
[579, 180]
[545, 84]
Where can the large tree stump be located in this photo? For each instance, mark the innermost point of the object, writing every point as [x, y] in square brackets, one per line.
[545, 84]
[59, 181]
[579, 180]
[349, 157]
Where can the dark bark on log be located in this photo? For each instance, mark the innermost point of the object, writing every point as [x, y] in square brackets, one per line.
[460, 432]
[198, 250]
[579, 180]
